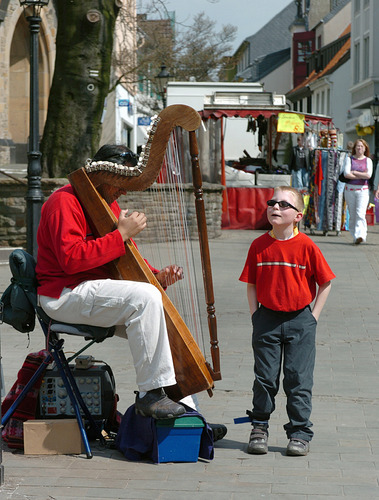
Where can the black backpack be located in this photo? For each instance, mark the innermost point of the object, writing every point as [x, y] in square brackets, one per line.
[19, 300]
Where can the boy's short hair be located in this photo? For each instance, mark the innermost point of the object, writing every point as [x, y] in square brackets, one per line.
[298, 197]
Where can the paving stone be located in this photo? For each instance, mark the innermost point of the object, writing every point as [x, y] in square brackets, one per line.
[344, 457]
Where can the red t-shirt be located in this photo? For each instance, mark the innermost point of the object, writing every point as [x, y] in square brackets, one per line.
[68, 252]
[285, 272]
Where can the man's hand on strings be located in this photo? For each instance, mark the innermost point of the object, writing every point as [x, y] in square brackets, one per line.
[131, 225]
[169, 275]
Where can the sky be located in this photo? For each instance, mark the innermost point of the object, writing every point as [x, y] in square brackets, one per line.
[247, 15]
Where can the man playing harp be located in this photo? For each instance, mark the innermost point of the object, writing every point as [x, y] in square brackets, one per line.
[75, 284]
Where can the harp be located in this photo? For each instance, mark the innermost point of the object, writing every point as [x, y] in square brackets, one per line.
[193, 373]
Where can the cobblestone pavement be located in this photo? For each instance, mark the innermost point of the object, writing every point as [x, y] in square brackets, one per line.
[344, 457]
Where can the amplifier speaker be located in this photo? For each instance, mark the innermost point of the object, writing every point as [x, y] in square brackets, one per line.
[96, 385]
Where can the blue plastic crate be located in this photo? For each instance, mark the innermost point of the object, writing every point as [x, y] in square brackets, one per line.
[179, 439]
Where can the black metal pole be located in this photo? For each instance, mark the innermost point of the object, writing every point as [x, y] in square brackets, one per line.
[1, 394]
[376, 142]
[34, 195]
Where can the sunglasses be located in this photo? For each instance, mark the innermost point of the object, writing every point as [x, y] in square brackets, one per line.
[130, 157]
[282, 204]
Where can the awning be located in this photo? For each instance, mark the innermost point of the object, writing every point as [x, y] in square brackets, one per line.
[215, 114]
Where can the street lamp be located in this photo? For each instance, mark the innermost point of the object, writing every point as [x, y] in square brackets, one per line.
[161, 81]
[34, 195]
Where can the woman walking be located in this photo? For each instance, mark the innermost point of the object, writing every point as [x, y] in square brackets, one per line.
[358, 171]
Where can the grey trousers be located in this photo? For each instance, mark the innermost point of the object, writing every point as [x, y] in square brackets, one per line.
[284, 339]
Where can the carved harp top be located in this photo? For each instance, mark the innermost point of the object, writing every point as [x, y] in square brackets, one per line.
[141, 176]
[193, 373]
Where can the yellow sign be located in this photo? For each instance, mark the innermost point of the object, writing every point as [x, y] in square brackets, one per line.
[290, 122]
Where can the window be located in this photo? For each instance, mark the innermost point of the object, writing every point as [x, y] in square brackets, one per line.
[356, 75]
[126, 135]
[366, 3]
[243, 61]
[309, 104]
[323, 102]
[366, 57]
[328, 110]
[304, 49]
[357, 6]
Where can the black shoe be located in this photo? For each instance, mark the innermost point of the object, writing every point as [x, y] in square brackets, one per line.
[297, 447]
[258, 440]
[219, 431]
[156, 404]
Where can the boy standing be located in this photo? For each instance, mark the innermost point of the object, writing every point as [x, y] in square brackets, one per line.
[282, 270]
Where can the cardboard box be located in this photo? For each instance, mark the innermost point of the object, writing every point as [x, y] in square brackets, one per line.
[52, 437]
[179, 439]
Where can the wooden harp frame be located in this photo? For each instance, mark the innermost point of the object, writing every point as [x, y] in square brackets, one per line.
[193, 373]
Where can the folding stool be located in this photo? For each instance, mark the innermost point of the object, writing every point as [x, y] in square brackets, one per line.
[23, 269]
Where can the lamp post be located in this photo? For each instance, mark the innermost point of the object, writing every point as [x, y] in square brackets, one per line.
[162, 79]
[34, 195]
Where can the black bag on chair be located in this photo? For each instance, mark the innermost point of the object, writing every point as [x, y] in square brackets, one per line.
[20, 298]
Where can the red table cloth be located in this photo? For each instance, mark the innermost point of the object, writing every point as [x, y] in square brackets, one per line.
[247, 208]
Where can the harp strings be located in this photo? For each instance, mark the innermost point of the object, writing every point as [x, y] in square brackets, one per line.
[172, 230]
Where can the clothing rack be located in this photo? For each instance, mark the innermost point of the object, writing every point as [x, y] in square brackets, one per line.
[325, 208]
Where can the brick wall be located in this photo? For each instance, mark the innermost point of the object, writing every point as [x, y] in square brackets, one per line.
[13, 210]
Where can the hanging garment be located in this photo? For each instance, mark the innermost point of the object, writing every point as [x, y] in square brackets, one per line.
[326, 198]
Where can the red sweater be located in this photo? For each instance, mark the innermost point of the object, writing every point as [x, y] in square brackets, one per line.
[285, 272]
[68, 252]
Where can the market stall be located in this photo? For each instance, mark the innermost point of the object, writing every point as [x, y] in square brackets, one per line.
[245, 207]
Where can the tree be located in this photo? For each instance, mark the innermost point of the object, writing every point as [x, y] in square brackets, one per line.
[200, 50]
[80, 84]
[96, 50]
[195, 51]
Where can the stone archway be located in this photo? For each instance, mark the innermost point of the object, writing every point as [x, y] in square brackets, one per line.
[19, 74]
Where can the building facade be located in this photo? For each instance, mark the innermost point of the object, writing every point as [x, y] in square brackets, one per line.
[15, 75]
[120, 108]
[364, 69]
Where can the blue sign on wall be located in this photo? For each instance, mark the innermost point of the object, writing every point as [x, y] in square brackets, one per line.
[123, 102]
[144, 120]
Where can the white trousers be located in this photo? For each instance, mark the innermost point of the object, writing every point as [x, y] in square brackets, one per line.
[357, 199]
[136, 308]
